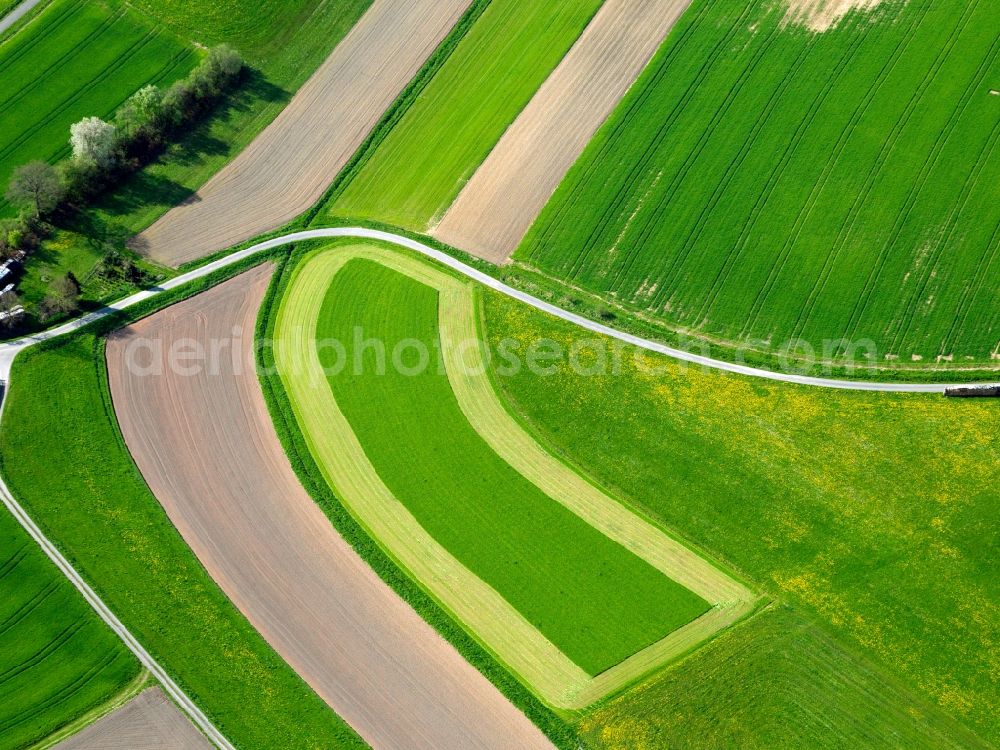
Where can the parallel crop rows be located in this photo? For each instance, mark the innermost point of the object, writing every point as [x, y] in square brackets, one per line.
[419, 169]
[76, 60]
[763, 183]
[57, 660]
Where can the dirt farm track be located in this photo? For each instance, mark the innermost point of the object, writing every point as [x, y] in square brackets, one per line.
[506, 194]
[207, 449]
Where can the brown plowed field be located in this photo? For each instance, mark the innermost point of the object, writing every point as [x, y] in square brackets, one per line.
[291, 163]
[495, 209]
[205, 444]
[147, 722]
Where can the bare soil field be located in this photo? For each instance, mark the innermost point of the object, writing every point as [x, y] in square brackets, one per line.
[147, 722]
[205, 444]
[289, 165]
[823, 15]
[498, 205]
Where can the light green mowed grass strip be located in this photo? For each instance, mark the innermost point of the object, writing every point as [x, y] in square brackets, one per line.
[467, 372]
[506, 633]
[515, 642]
[423, 163]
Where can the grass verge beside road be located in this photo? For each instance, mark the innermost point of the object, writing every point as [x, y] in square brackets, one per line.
[63, 457]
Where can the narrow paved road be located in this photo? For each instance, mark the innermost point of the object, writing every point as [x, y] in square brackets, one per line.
[10, 349]
[17, 14]
[180, 698]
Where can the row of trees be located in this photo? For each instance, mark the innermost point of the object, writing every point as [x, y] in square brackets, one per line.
[104, 152]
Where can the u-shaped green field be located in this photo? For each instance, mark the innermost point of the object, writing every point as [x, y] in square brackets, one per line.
[382, 361]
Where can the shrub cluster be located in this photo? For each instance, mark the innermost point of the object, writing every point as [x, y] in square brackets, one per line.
[103, 153]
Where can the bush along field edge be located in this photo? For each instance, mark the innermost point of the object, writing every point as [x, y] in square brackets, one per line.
[103, 154]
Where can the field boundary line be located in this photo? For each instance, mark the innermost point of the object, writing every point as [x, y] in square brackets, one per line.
[188, 706]
[482, 612]
[110, 706]
[9, 350]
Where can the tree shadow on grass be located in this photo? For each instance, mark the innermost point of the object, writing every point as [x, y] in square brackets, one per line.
[149, 187]
[141, 190]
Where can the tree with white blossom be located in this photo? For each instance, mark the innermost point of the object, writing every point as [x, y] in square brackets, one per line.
[95, 141]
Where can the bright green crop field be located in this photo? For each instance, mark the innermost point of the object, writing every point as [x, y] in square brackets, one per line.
[873, 516]
[777, 681]
[74, 60]
[764, 183]
[594, 600]
[420, 167]
[57, 659]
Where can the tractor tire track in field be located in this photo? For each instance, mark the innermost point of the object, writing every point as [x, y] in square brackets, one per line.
[274, 552]
[888, 146]
[964, 307]
[851, 219]
[651, 219]
[638, 165]
[926, 170]
[287, 168]
[497, 206]
[764, 197]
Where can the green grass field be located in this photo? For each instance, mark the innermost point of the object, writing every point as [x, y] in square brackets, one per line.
[871, 515]
[763, 183]
[265, 31]
[420, 167]
[57, 659]
[777, 681]
[6, 6]
[597, 602]
[76, 59]
[63, 457]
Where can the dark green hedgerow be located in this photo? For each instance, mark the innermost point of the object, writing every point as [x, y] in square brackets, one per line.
[312, 479]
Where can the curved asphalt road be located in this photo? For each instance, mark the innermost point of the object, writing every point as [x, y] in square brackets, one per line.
[9, 350]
